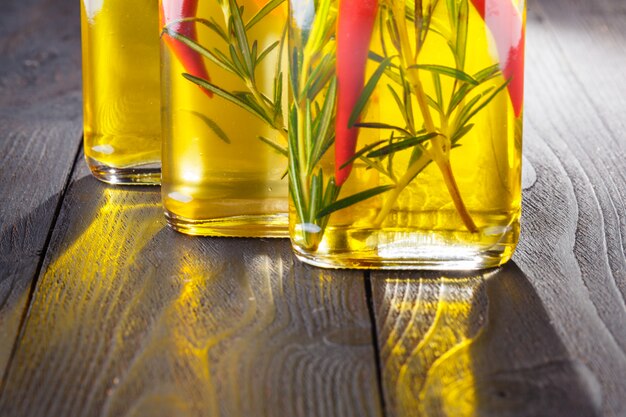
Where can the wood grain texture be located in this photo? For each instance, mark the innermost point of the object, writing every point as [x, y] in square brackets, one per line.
[574, 222]
[133, 319]
[40, 129]
[479, 345]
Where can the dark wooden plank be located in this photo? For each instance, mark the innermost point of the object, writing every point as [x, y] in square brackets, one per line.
[478, 345]
[564, 318]
[40, 127]
[131, 318]
[574, 227]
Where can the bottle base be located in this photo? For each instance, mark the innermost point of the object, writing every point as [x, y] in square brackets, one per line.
[149, 174]
[268, 225]
[448, 258]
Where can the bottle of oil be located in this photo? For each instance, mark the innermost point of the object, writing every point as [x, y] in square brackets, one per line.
[224, 152]
[122, 131]
[421, 164]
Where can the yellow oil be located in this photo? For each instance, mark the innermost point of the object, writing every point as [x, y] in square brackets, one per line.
[122, 131]
[228, 183]
[423, 229]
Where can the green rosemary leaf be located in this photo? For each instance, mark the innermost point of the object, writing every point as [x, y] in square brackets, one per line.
[308, 129]
[219, 54]
[487, 101]
[418, 22]
[438, 89]
[280, 149]
[458, 135]
[317, 186]
[448, 71]
[390, 160]
[253, 53]
[316, 73]
[390, 71]
[353, 199]
[458, 97]
[226, 95]
[461, 33]
[399, 104]
[392, 29]
[367, 92]
[375, 57]
[401, 145]
[374, 164]
[325, 118]
[242, 72]
[487, 73]
[362, 152]
[211, 124]
[379, 58]
[296, 193]
[242, 37]
[320, 76]
[319, 84]
[278, 72]
[408, 102]
[481, 76]
[319, 29]
[278, 94]
[250, 99]
[330, 195]
[326, 144]
[433, 103]
[211, 24]
[219, 61]
[265, 10]
[266, 51]
[381, 35]
[295, 184]
[452, 12]
[376, 125]
[465, 110]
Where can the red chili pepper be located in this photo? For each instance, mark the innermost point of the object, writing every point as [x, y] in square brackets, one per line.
[505, 23]
[171, 11]
[354, 30]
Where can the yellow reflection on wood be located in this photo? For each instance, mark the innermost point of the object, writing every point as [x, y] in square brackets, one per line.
[429, 327]
[134, 319]
[111, 241]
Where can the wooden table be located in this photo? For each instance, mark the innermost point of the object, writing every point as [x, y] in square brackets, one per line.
[104, 311]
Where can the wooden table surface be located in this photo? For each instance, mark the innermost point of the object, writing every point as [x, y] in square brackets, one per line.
[104, 311]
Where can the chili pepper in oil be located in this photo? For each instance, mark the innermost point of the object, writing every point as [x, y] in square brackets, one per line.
[171, 15]
[354, 30]
[507, 28]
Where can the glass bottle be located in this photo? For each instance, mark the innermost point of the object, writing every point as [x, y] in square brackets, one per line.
[224, 84]
[122, 131]
[406, 132]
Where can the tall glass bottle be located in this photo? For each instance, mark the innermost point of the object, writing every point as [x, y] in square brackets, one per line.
[405, 132]
[122, 130]
[224, 84]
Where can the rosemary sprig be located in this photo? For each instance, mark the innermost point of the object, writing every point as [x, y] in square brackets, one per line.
[241, 56]
[468, 97]
[311, 126]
